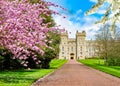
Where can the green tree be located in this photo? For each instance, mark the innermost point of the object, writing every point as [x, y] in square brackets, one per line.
[50, 53]
[54, 38]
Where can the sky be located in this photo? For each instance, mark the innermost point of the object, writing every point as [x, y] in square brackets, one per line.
[75, 18]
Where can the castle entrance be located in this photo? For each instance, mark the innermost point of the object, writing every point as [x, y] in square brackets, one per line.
[72, 56]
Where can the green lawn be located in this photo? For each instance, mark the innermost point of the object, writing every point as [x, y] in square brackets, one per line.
[27, 77]
[113, 70]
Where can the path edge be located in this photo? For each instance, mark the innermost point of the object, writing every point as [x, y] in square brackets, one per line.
[99, 71]
[40, 79]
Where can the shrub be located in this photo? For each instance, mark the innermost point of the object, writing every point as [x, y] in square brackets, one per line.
[113, 61]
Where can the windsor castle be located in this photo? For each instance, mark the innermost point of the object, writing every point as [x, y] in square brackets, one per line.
[76, 48]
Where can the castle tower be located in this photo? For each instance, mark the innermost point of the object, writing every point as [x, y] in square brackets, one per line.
[76, 48]
[72, 48]
[80, 45]
[63, 53]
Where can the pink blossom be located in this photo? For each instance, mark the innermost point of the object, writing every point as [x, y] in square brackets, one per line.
[25, 65]
[22, 28]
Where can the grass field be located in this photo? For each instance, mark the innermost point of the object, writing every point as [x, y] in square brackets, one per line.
[113, 70]
[27, 77]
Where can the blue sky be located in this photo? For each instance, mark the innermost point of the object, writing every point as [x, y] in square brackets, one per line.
[75, 18]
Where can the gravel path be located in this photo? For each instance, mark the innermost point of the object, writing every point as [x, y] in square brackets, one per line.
[76, 74]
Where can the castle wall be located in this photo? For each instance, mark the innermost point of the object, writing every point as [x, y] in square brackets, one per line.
[71, 48]
[77, 48]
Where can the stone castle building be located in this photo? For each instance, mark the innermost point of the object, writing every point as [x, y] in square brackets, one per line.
[76, 48]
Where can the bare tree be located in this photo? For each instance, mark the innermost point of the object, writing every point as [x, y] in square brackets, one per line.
[107, 47]
[102, 39]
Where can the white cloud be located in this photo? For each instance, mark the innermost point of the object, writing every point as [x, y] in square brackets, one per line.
[101, 11]
[91, 30]
[90, 27]
[78, 12]
[72, 26]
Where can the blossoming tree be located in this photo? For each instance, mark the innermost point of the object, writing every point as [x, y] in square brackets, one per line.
[22, 30]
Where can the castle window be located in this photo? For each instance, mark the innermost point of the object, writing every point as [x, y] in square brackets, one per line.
[62, 48]
[71, 48]
[89, 49]
[81, 48]
[81, 53]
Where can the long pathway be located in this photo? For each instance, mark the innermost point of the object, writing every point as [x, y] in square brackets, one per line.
[76, 74]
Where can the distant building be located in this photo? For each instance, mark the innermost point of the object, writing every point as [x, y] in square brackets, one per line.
[76, 48]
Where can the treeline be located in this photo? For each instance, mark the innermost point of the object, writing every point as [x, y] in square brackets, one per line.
[107, 47]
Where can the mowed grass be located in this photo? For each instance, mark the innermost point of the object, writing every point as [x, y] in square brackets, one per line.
[94, 63]
[27, 77]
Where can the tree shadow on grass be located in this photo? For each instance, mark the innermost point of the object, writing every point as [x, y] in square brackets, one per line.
[114, 67]
[16, 79]
[53, 67]
[17, 76]
[24, 70]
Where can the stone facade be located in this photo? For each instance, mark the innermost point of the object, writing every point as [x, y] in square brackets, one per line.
[76, 48]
